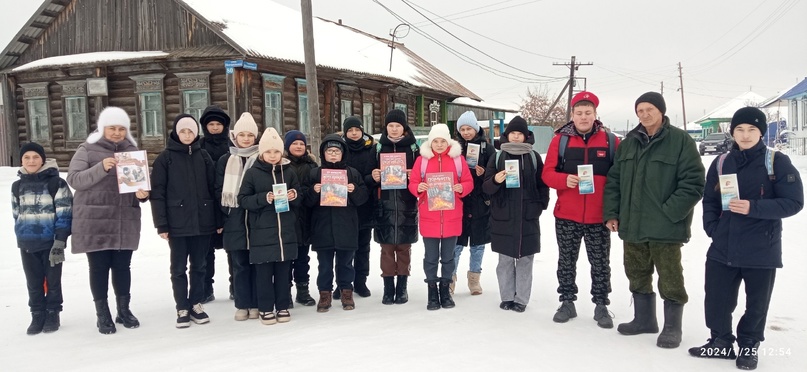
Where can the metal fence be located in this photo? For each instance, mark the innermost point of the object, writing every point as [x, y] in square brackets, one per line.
[794, 146]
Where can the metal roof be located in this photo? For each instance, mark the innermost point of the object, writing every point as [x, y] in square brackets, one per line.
[36, 25]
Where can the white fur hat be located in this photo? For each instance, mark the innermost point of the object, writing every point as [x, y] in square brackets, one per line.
[112, 116]
[440, 131]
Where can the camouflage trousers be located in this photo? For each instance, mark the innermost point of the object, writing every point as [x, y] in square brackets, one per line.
[598, 248]
[642, 258]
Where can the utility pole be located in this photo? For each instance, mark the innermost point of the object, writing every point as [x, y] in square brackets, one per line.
[311, 77]
[662, 88]
[573, 66]
[683, 108]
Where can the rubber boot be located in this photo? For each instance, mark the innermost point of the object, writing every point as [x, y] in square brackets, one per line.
[389, 291]
[104, 323]
[125, 315]
[401, 295]
[644, 316]
[670, 337]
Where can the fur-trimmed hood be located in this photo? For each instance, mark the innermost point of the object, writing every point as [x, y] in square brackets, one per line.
[454, 149]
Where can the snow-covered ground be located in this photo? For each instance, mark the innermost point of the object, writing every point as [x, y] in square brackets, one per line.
[474, 336]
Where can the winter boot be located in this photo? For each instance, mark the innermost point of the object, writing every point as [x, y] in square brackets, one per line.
[401, 295]
[104, 323]
[434, 297]
[337, 294]
[565, 312]
[52, 322]
[747, 354]
[603, 317]
[644, 316]
[304, 296]
[389, 291]
[716, 347]
[37, 322]
[324, 301]
[125, 315]
[473, 283]
[670, 337]
[453, 283]
[360, 286]
[445, 295]
[347, 299]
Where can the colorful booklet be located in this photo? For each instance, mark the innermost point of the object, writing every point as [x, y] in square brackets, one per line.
[472, 155]
[586, 174]
[728, 189]
[334, 188]
[393, 171]
[281, 197]
[132, 171]
[440, 194]
[512, 180]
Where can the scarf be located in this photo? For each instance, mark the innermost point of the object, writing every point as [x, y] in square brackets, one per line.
[516, 148]
[234, 173]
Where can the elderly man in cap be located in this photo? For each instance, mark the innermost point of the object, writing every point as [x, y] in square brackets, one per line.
[650, 195]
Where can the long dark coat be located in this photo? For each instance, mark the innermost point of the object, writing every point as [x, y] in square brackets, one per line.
[396, 211]
[476, 205]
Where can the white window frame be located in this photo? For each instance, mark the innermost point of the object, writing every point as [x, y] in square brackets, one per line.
[149, 128]
[346, 109]
[77, 123]
[193, 108]
[39, 124]
[367, 117]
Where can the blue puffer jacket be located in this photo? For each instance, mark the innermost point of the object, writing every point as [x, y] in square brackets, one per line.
[753, 240]
[38, 218]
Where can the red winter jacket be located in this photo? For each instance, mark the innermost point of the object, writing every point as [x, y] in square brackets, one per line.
[571, 205]
[440, 224]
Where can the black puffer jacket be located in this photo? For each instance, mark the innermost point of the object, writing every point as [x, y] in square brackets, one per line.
[302, 167]
[362, 157]
[335, 227]
[234, 236]
[476, 205]
[396, 211]
[182, 190]
[514, 213]
[271, 235]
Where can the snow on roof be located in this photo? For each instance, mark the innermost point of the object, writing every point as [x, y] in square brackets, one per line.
[467, 101]
[727, 110]
[88, 58]
[265, 29]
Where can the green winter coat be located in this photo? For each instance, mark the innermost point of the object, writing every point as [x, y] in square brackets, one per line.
[654, 185]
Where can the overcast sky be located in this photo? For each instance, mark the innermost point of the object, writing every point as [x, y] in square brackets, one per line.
[726, 47]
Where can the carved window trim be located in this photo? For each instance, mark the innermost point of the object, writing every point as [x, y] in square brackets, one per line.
[39, 93]
[148, 83]
[273, 87]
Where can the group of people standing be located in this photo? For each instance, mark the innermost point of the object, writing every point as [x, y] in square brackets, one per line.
[219, 191]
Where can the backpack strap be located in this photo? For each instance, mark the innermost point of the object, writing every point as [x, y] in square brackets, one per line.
[457, 166]
[611, 139]
[564, 142]
[53, 188]
[720, 160]
[769, 156]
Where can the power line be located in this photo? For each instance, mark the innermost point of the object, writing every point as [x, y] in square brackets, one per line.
[482, 7]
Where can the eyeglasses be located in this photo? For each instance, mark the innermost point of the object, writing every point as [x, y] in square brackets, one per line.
[333, 151]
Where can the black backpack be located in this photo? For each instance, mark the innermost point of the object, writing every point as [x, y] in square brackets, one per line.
[564, 143]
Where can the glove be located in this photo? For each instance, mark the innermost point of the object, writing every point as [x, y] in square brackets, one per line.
[57, 253]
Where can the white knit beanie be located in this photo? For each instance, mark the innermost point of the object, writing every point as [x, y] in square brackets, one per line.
[270, 140]
[112, 116]
[246, 123]
[439, 131]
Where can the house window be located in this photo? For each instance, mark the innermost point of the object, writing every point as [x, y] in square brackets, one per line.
[38, 120]
[151, 114]
[347, 109]
[402, 107]
[274, 110]
[305, 124]
[802, 112]
[76, 115]
[194, 102]
[367, 117]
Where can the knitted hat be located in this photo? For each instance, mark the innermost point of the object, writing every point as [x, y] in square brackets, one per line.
[291, 136]
[35, 147]
[112, 116]
[517, 124]
[352, 122]
[214, 113]
[654, 99]
[395, 116]
[585, 96]
[439, 131]
[246, 123]
[468, 118]
[270, 140]
[749, 115]
[185, 121]
[333, 140]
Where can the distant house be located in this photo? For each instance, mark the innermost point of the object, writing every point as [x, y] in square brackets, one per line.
[159, 58]
[718, 120]
[797, 110]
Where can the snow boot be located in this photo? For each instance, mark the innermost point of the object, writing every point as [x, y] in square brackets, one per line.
[603, 317]
[401, 295]
[473, 283]
[347, 299]
[324, 301]
[52, 322]
[565, 312]
[747, 355]
[670, 337]
[104, 323]
[360, 287]
[125, 315]
[304, 295]
[644, 316]
[453, 283]
[37, 322]
[446, 302]
[715, 347]
[389, 291]
[433, 302]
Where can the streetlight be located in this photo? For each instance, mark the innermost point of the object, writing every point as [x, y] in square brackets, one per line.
[394, 34]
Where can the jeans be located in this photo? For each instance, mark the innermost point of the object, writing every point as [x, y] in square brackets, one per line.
[184, 249]
[477, 252]
[345, 274]
[101, 263]
[37, 270]
[441, 249]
